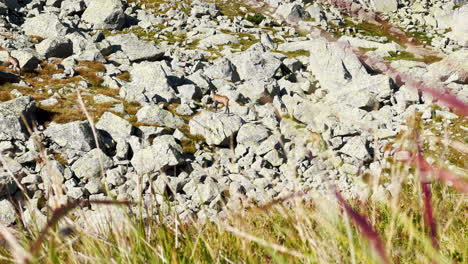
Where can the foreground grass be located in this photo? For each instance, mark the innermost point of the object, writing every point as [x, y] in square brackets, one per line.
[310, 232]
[301, 228]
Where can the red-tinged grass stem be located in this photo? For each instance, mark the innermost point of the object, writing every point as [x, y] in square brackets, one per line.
[440, 174]
[428, 213]
[366, 228]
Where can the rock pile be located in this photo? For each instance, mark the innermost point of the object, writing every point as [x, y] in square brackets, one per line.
[307, 113]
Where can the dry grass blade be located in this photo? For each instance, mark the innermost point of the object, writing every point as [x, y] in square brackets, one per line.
[366, 228]
[267, 206]
[428, 213]
[20, 255]
[457, 145]
[62, 211]
[262, 242]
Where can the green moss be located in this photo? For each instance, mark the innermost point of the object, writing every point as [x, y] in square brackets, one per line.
[256, 19]
[364, 50]
[232, 8]
[421, 37]
[402, 55]
[296, 53]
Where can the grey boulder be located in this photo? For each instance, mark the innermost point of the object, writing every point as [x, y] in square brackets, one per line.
[74, 135]
[136, 49]
[7, 212]
[256, 64]
[105, 14]
[115, 126]
[12, 113]
[153, 114]
[292, 12]
[58, 47]
[149, 84]
[252, 135]
[45, 26]
[222, 69]
[216, 128]
[164, 152]
[92, 165]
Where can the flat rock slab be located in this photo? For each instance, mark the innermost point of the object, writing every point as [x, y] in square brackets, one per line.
[134, 48]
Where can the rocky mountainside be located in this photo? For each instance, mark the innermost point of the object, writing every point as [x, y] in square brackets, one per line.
[318, 92]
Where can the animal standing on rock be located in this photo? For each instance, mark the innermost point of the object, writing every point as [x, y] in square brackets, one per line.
[13, 62]
[220, 99]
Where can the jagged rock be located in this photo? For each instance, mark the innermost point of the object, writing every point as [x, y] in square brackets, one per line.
[105, 14]
[363, 93]
[453, 67]
[205, 192]
[316, 12]
[12, 126]
[72, 7]
[184, 109]
[136, 50]
[7, 184]
[117, 127]
[256, 64]
[257, 89]
[189, 92]
[292, 12]
[293, 65]
[7, 212]
[153, 114]
[266, 40]
[45, 26]
[200, 9]
[52, 173]
[149, 84]
[92, 165]
[216, 128]
[74, 135]
[201, 81]
[334, 64]
[222, 68]
[252, 135]
[314, 115]
[94, 185]
[59, 47]
[164, 152]
[356, 148]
